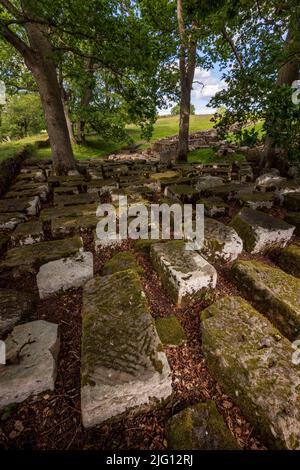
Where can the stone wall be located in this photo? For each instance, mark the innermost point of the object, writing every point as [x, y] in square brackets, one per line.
[10, 166]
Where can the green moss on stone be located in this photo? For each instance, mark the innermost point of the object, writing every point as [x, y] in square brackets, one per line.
[199, 427]
[170, 331]
[121, 262]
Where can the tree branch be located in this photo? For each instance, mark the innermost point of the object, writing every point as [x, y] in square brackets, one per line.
[229, 39]
[11, 8]
[15, 41]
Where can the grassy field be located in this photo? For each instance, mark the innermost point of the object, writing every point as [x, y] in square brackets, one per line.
[97, 148]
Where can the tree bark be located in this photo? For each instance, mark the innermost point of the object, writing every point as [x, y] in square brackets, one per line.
[187, 64]
[39, 58]
[44, 71]
[85, 100]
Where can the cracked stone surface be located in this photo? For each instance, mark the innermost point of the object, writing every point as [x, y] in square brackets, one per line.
[252, 362]
[31, 355]
[64, 274]
[185, 274]
[123, 365]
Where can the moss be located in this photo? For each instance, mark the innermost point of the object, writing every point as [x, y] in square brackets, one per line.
[275, 293]
[289, 259]
[144, 245]
[170, 331]
[4, 239]
[245, 232]
[252, 362]
[121, 262]
[40, 253]
[292, 201]
[69, 211]
[293, 218]
[118, 332]
[200, 427]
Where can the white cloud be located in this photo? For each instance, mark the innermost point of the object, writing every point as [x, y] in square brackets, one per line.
[209, 86]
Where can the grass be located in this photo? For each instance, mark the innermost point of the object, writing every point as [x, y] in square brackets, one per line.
[208, 155]
[97, 148]
[164, 127]
[9, 149]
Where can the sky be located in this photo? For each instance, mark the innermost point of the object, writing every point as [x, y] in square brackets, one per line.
[202, 95]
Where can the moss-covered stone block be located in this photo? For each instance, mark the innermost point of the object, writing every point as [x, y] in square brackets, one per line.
[8, 221]
[75, 199]
[214, 206]
[170, 331]
[293, 218]
[182, 192]
[199, 427]
[221, 243]
[33, 256]
[51, 213]
[252, 362]
[185, 274]
[292, 202]
[62, 226]
[121, 262]
[28, 233]
[289, 260]
[123, 366]
[260, 231]
[258, 200]
[274, 292]
[4, 240]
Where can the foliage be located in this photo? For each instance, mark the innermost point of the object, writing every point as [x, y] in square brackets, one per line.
[22, 116]
[282, 122]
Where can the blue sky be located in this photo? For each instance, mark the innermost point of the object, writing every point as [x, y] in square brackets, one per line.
[202, 95]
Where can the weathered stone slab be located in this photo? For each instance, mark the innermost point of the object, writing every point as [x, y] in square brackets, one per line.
[229, 191]
[269, 181]
[261, 231]
[214, 206]
[182, 193]
[28, 233]
[76, 199]
[31, 205]
[31, 354]
[70, 211]
[40, 253]
[199, 427]
[170, 331]
[293, 218]
[123, 366]
[207, 182]
[253, 363]
[289, 260]
[65, 190]
[258, 200]
[15, 306]
[185, 274]
[274, 292]
[291, 186]
[121, 262]
[41, 190]
[8, 221]
[38, 176]
[64, 274]
[4, 240]
[292, 202]
[221, 243]
[69, 225]
[101, 186]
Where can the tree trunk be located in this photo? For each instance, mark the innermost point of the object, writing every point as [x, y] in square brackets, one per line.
[85, 100]
[44, 71]
[187, 64]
